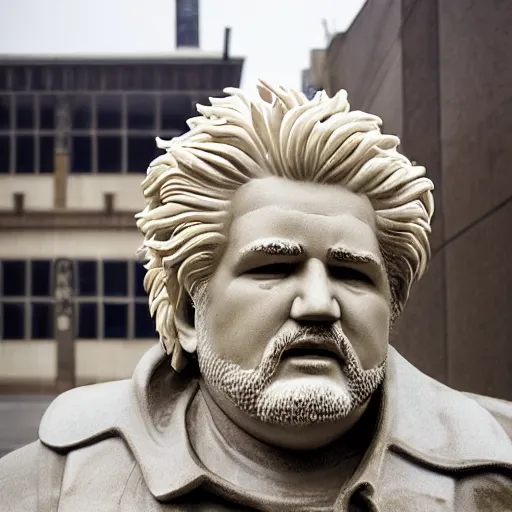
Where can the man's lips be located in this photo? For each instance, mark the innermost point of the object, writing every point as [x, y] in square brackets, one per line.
[313, 347]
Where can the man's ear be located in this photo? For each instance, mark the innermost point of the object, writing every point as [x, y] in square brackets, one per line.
[184, 321]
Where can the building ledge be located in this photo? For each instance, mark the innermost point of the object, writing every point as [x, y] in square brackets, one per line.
[66, 219]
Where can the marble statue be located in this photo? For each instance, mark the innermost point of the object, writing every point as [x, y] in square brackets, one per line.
[282, 237]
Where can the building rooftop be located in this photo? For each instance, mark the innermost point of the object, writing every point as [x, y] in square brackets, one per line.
[185, 56]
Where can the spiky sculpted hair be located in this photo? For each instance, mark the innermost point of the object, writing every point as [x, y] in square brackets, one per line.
[281, 133]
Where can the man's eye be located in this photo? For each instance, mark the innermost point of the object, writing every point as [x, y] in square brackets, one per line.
[349, 274]
[272, 271]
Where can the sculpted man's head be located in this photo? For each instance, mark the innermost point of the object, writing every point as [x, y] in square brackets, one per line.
[283, 238]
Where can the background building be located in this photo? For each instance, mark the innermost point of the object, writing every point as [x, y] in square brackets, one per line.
[76, 137]
[438, 73]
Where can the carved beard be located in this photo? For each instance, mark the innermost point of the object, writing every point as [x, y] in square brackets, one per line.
[289, 403]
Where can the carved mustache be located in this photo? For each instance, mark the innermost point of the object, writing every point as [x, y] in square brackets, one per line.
[316, 339]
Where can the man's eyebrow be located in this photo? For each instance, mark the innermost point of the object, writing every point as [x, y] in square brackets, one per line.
[273, 246]
[349, 256]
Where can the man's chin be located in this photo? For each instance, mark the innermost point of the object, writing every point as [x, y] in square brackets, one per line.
[304, 401]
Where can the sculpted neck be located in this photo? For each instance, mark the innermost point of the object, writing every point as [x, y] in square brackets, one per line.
[324, 444]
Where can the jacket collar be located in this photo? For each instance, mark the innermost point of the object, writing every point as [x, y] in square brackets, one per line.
[430, 423]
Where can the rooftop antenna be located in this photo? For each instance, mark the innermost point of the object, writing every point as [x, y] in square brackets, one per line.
[327, 31]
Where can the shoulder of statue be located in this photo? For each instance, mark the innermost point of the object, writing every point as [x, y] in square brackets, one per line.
[86, 414]
[500, 409]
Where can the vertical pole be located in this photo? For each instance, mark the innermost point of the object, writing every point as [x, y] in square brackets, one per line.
[60, 175]
[64, 321]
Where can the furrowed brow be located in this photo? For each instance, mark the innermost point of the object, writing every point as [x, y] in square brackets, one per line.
[274, 246]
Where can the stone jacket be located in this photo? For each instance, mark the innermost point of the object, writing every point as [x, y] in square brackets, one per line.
[123, 446]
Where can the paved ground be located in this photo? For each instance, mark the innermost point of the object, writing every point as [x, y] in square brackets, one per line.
[19, 419]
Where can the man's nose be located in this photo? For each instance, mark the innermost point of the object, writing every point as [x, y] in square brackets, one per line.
[314, 301]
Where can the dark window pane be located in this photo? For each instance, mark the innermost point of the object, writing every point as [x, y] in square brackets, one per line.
[88, 320]
[149, 78]
[5, 150]
[42, 320]
[141, 151]
[140, 273]
[13, 275]
[112, 77]
[19, 78]
[5, 112]
[87, 285]
[41, 275]
[94, 81]
[25, 154]
[141, 111]
[81, 154]
[69, 79]
[175, 111]
[115, 320]
[24, 112]
[47, 105]
[38, 79]
[115, 278]
[109, 154]
[169, 78]
[144, 324]
[46, 154]
[13, 321]
[108, 108]
[187, 23]
[82, 79]
[3, 78]
[81, 110]
[57, 79]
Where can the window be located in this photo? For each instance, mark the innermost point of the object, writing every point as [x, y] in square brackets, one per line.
[4, 78]
[13, 320]
[5, 112]
[47, 107]
[13, 278]
[176, 109]
[108, 107]
[87, 278]
[46, 154]
[115, 278]
[109, 153]
[27, 144]
[19, 78]
[25, 112]
[37, 79]
[42, 320]
[5, 151]
[111, 301]
[141, 111]
[81, 112]
[81, 154]
[25, 154]
[41, 276]
[141, 151]
[26, 302]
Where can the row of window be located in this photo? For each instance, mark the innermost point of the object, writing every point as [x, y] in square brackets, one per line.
[109, 300]
[147, 112]
[121, 152]
[97, 77]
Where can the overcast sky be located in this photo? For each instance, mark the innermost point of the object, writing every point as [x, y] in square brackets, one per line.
[275, 36]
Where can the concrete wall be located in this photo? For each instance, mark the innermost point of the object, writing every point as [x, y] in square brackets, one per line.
[453, 98]
[84, 244]
[373, 42]
[475, 41]
[83, 192]
[95, 361]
